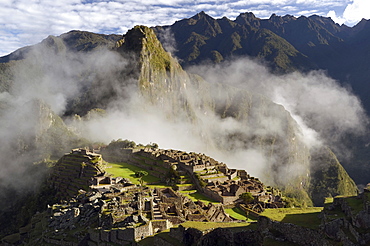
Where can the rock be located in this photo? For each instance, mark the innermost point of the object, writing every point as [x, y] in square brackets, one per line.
[94, 197]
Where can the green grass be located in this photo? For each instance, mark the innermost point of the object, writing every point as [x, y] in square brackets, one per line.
[187, 191]
[236, 213]
[328, 200]
[125, 170]
[197, 196]
[307, 217]
[355, 203]
[160, 185]
[209, 225]
[183, 185]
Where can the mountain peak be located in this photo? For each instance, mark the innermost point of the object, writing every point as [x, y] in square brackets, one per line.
[201, 15]
[138, 38]
[361, 25]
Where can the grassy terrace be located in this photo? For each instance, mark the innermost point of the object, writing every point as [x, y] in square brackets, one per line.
[165, 235]
[306, 217]
[198, 196]
[125, 170]
[237, 213]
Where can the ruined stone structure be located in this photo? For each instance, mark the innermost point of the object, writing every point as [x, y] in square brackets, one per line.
[75, 171]
[112, 210]
[222, 184]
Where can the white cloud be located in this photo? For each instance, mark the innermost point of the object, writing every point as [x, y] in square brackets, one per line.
[28, 22]
[356, 11]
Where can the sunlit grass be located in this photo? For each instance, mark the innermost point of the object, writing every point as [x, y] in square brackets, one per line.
[236, 213]
[307, 217]
[127, 171]
[209, 225]
[198, 196]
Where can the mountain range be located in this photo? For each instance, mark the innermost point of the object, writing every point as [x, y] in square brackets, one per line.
[72, 90]
[285, 44]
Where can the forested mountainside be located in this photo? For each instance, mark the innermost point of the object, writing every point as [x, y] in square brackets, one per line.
[285, 44]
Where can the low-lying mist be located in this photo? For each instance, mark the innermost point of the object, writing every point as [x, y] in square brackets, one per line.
[325, 111]
[257, 141]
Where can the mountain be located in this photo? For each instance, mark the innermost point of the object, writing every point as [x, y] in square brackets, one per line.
[284, 44]
[287, 43]
[202, 38]
[161, 83]
[134, 75]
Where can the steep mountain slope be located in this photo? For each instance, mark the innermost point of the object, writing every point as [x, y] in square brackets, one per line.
[202, 38]
[158, 82]
[286, 44]
[164, 83]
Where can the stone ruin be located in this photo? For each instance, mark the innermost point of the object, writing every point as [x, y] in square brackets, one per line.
[96, 208]
[222, 184]
[125, 212]
[74, 171]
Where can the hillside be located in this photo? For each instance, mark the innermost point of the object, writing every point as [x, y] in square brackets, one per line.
[160, 82]
[284, 44]
[98, 206]
[137, 81]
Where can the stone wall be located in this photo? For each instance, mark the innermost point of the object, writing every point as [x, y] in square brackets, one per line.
[290, 232]
[161, 225]
[247, 210]
[226, 200]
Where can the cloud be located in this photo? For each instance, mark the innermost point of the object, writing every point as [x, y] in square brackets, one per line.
[263, 138]
[27, 22]
[258, 137]
[40, 86]
[353, 13]
[325, 110]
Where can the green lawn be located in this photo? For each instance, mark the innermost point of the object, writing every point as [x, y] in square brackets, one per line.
[307, 217]
[209, 225]
[197, 196]
[159, 186]
[236, 213]
[125, 170]
[187, 191]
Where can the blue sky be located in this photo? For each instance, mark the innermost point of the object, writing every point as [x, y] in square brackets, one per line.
[26, 22]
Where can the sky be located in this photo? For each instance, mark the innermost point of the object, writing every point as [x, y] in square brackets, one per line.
[27, 22]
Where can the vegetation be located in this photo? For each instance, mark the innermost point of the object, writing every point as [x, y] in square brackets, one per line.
[140, 175]
[307, 217]
[198, 196]
[247, 197]
[121, 144]
[124, 144]
[128, 171]
[209, 225]
[202, 183]
[236, 213]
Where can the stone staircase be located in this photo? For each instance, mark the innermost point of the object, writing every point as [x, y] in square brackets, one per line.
[156, 213]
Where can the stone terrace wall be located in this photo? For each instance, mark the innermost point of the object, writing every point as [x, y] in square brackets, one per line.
[290, 232]
[74, 172]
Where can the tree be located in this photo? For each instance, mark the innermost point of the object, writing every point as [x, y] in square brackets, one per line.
[140, 175]
[247, 197]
